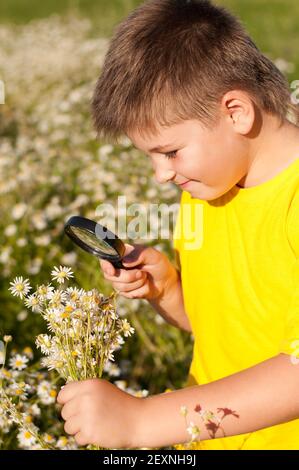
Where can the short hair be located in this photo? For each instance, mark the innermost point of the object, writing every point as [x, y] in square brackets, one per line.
[173, 60]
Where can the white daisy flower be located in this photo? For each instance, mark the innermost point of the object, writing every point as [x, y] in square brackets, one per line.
[46, 392]
[33, 302]
[44, 342]
[57, 297]
[34, 410]
[193, 430]
[25, 438]
[62, 442]
[127, 329]
[48, 438]
[112, 369]
[74, 293]
[61, 273]
[44, 292]
[28, 352]
[140, 393]
[18, 211]
[18, 362]
[19, 389]
[20, 287]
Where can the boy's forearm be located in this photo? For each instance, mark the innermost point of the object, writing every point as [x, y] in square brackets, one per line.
[263, 395]
[171, 305]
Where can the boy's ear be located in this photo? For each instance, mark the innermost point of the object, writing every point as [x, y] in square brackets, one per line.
[239, 110]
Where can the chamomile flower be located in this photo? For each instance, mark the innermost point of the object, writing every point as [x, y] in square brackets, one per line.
[48, 438]
[74, 293]
[62, 442]
[34, 410]
[44, 292]
[20, 287]
[61, 274]
[18, 362]
[33, 302]
[193, 430]
[19, 389]
[44, 342]
[26, 439]
[112, 369]
[28, 352]
[46, 392]
[127, 329]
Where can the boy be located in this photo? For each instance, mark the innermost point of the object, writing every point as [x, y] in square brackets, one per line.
[186, 84]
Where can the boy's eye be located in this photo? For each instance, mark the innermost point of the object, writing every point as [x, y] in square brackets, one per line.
[171, 154]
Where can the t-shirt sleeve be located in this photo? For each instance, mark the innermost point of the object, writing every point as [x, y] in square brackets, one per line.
[290, 343]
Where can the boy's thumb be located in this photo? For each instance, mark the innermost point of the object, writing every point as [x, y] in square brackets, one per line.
[131, 254]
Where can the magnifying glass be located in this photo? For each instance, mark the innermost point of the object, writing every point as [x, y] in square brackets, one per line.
[96, 239]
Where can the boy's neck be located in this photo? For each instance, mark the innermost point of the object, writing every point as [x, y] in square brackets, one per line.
[271, 150]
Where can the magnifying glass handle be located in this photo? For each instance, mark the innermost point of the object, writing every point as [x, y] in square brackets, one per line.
[119, 265]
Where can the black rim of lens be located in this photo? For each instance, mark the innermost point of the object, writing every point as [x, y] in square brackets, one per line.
[90, 225]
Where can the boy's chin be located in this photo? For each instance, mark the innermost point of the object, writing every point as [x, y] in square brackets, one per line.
[205, 193]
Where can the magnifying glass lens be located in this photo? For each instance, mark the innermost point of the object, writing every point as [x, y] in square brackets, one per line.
[96, 239]
[90, 239]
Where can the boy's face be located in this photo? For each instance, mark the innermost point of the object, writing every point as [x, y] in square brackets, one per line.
[213, 160]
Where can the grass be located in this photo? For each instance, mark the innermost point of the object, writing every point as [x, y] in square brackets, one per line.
[273, 24]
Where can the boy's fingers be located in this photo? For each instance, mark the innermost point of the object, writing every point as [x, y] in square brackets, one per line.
[69, 409]
[132, 255]
[128, 286]
[107, 267]
[67, 392]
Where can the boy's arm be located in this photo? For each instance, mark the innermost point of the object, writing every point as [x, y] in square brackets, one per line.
[171, 305]
[263, 395]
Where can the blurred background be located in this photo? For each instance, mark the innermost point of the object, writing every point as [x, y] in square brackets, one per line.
[51, 165]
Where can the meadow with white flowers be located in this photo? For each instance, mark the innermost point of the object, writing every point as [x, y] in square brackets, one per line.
[52, 167]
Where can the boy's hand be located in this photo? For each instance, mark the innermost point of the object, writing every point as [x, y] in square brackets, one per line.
[97, 412]
[155, 271]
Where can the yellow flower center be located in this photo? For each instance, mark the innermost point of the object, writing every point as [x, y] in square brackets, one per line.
[6, 373]
[27, 435]
[27, 350]
[58, 364]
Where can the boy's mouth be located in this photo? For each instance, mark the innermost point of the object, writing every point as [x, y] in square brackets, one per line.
[183, 185]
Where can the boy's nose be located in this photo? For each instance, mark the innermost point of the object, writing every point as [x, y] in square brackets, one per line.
[164, 175]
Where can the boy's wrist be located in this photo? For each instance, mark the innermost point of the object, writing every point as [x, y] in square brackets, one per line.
[139, 421]
[170, 284]
[159, 422]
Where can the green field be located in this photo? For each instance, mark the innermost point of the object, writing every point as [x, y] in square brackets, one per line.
[273, 24]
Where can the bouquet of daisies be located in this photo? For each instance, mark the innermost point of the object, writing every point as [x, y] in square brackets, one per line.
[84, 331]
[84, 328]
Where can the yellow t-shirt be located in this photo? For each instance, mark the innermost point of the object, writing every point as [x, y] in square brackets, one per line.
[239, 261]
